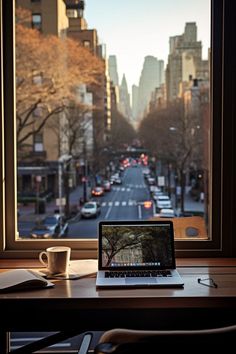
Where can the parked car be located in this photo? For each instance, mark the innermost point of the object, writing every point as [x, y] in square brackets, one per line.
[117, 180]
[163, 201]
[97, 191]
[51, 226]
[90, 209]
[106, 186]
[166, 213]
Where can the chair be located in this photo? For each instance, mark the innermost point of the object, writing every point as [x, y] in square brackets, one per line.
[125, 341]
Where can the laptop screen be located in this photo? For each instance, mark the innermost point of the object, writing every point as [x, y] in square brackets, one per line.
[136, 245]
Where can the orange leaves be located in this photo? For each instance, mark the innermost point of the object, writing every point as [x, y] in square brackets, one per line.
[49, 68]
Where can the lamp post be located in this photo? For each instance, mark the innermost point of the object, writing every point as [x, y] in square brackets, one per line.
[63, 160]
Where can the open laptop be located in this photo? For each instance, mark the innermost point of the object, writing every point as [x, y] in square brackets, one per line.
[137, 254]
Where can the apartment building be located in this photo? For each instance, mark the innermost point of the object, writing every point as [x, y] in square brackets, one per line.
[101, 92]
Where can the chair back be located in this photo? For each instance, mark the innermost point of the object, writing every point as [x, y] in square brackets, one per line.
[125, 341]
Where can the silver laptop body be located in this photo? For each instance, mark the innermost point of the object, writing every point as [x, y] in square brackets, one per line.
[137, 254]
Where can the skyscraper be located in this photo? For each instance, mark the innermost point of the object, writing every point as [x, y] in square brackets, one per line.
[112, 67]
[124, 104]
[184, 60]
[152, 76]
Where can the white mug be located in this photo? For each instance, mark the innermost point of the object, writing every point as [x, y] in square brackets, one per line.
[56, 259]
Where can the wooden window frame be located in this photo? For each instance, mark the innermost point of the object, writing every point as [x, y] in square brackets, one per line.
[222, 177]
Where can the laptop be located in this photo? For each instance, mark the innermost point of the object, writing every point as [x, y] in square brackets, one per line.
[137, 254]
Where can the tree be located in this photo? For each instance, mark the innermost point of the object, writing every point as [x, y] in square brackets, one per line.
[48, 70]
[144, 244]
[173, 137]
[74, 130]
[122, 132]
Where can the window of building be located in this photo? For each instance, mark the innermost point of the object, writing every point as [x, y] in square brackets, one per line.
[37, 21]
[38, 142]
[171, 158]
[87, 44]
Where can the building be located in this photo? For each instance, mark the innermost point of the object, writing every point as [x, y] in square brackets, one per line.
[152, 76]
[124, 102]
[79, 31]
[184, 59]
[43, 152]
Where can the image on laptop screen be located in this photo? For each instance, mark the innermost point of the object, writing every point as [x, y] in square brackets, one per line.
[137, 245]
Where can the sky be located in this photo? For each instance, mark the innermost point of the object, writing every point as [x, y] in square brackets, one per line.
[132, 29]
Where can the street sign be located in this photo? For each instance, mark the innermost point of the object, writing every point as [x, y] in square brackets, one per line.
[60, 201]
[161, 181]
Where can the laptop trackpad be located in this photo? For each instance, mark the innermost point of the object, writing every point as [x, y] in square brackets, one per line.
[139, 281]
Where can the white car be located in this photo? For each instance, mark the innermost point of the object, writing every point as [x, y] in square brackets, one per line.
[163, 202]
[90, 210]
[166, 213]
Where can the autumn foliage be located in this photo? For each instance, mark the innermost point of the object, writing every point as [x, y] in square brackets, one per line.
[48, 70]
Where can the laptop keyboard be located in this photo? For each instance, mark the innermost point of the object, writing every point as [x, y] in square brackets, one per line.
[138, 273]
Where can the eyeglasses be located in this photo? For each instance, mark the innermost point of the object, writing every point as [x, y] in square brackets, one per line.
[210, 282]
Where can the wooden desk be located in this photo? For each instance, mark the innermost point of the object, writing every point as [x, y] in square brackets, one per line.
[80, 303]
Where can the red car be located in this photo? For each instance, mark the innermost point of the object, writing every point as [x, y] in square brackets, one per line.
[97, 191]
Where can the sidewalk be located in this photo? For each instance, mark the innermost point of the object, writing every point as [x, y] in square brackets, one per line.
[27, 212]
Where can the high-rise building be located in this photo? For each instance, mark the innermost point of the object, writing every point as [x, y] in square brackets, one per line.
[135, 92]
[184, 60]
[78, 30]
[124, 103]
[113, 73]
[152, 76]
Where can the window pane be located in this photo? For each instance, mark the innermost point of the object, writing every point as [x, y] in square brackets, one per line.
[123, 121]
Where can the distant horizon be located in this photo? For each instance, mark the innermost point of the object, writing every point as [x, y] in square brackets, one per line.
[135, 32]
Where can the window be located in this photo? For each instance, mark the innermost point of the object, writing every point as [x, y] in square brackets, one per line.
[38, 142]
[87, 44]
[37, 21]
[221, 191]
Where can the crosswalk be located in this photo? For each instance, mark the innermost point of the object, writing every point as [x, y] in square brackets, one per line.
[123, 203]
[128, 187]
[118, 203]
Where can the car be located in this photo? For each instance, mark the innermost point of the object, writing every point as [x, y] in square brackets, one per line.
[106, 186]
[90, 209]
[51, 226]
[41, 231]
[157, 194]
[117, 180]
[97, 191]
[166, 213]
[163, 201]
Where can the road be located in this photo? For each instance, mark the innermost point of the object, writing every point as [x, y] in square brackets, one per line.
[123, 202]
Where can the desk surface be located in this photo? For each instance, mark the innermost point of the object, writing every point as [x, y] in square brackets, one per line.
[78, 301]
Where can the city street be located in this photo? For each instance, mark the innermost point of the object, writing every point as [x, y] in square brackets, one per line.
[124, 202]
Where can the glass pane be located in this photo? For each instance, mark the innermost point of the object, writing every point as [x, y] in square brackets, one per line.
[124, 122]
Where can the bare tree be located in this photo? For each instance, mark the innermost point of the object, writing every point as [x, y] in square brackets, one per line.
[173, 137]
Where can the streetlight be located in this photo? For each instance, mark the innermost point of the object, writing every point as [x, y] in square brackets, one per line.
[64, 159]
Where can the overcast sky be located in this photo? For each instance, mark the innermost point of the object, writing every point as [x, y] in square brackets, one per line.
[132, 29]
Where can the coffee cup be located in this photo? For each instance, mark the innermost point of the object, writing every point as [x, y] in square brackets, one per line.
[56, 259]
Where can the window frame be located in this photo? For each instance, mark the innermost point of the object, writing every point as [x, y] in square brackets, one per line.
[222, 108]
